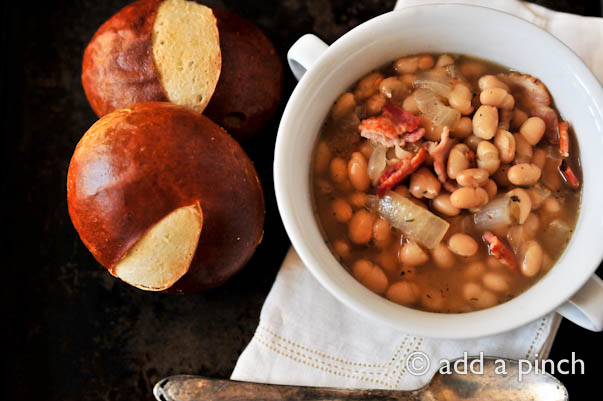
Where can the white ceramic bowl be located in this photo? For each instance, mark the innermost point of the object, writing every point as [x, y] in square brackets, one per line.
[475, 31]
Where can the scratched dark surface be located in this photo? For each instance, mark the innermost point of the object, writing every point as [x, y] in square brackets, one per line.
[72, 332]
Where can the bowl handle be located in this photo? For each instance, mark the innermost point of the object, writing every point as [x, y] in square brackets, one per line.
[304, 52]
[585, 308]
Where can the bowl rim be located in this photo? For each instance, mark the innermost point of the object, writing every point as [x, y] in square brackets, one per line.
[367, 304]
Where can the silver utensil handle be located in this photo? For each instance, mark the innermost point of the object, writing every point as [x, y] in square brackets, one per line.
[196, 388]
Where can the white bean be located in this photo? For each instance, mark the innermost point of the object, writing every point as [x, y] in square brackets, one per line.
[462, 244]
[490, 81]
[468, 197]
[472, 177]
[370, 275]
[411, 254]
[487, 157]
[495, 282]
[524, 174]
[533, 130]
[485, 121]
[457, 160]
[424, 184]
[442, 204]
[505, 143]
[443, 257]
[532, 260]
[358, 172]
[497, 97]
[403, 293]
[460, 99]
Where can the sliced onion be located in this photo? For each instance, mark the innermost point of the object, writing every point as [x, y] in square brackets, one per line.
[556, 232]
[415, 222]
[516, 237]
[538, 193]
[437, 83]
[429, 104]
[377, 163]
[397, 153]
[495, 214]
[392, 162]
[454, 72]
[402, 153]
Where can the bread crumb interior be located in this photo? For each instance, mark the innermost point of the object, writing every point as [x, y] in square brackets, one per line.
[186, 49]
[164, 253]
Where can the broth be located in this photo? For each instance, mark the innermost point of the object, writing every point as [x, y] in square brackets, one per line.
[477, 263]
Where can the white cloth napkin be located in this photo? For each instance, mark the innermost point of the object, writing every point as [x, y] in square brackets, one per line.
[307, 337]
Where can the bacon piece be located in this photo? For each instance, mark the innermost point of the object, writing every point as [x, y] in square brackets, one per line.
[564, 138]
[393, 127]
[500, 250]
[380, 130]
[565, 168]
[414, 136]
[407, 121]
[568, 175]
[526, 87]
[440, 154]
[533, 96]
[398, 172]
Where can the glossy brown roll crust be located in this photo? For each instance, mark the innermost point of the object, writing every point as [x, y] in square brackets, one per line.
[118, 67]
[136, 165]
[251, 80]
